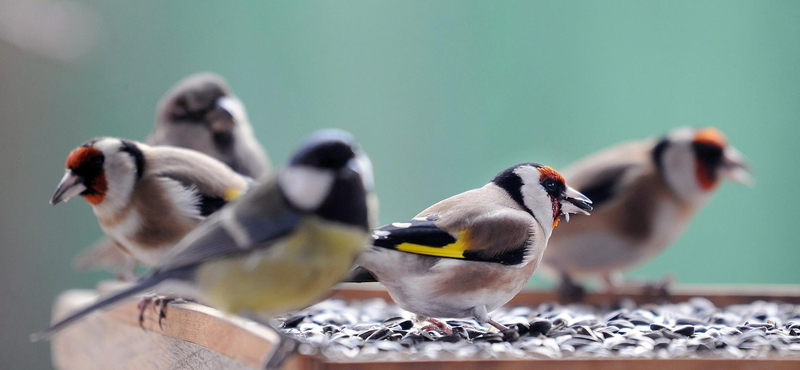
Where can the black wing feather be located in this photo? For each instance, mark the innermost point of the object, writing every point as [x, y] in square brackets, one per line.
[414, 232]
[606, 186]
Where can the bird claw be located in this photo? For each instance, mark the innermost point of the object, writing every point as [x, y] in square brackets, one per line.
[570, 292]
[437, 326]
[159, 307]
[659, 289]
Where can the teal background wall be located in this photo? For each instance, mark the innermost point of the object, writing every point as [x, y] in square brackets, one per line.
[442, 94]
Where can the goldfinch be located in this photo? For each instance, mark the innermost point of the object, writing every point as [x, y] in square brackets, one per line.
[279, 247]
[645, 193]
[201, 112]
[470, 254]
[147, 199]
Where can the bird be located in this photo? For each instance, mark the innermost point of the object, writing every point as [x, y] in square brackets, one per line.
[147, 198]
[201, 112]
[645, 194]
[278, 248]
[471, 253]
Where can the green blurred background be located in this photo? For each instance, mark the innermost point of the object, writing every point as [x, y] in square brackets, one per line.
[442, 94]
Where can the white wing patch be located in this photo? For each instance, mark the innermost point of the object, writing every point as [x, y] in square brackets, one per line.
[186, 200]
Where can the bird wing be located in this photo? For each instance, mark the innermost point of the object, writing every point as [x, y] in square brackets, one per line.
[501, 236]
[253, 222]
[214, 182]
[603, 175]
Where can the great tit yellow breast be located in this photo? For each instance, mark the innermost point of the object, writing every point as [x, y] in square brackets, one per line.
[290, 274]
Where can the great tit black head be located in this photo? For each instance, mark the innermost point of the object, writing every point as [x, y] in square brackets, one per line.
[330, 176]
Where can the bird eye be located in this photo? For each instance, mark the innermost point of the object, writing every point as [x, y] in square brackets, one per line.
[96, 162]
[550, 185]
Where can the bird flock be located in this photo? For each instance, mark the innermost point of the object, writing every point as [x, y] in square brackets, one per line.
[200, 206]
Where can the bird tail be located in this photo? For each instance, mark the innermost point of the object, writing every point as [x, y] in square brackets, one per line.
[139, 287]
[102, 255]
[360, 275]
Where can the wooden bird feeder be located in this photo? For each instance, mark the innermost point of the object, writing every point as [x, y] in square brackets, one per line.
[198, 337]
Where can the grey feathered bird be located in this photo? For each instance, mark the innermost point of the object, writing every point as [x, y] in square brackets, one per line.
[201, 112]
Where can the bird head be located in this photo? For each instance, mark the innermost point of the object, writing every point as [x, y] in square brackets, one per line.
[99, 169]
[543, 192]
[205, 100]
[331, 177]
[694, 160]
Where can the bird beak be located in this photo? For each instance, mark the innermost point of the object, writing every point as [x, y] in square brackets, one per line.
[70, 186]
[223, 116]
[575, 202]
[735, 167]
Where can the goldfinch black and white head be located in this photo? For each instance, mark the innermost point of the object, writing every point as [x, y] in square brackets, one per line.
[101, 170]
[543, 192]
[201, 112]
[694, 160]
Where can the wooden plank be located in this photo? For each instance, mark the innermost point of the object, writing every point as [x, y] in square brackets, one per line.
[193, 333]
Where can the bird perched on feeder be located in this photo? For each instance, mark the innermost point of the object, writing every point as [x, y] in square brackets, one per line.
[471, 253]
[147, 199]
[644, 193]
[201, 113]
[280, 247]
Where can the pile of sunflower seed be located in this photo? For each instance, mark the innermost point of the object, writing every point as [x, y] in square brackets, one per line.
[374, 329]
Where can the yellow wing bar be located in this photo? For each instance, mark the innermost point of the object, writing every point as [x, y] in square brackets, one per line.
[452, 250]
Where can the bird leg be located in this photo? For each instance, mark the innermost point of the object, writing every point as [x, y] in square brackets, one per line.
[657, 289]
[569, 291]
[284, 349]
[497, 325]
[482, 315]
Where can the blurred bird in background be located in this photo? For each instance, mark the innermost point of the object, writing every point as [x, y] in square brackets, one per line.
[470, 254]
[201, 113]
[278, 248]
[644, 193]
[146, 199]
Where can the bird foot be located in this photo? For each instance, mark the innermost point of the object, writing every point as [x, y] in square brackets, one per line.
[570, 292]
[159, 307]
[659, 289]
[437, 326]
